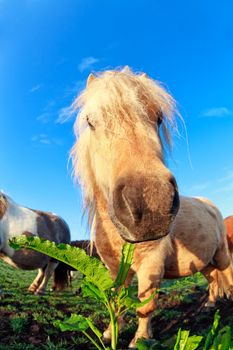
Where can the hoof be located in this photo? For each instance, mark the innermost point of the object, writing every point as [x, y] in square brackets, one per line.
[210, 304]
[107, 336]
[229, 293]
[132, 344]
[39, 292]
[32, 289]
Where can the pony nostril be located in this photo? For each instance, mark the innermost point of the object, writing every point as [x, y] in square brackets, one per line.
[175, 203]
[138, 214]
[174, 183]
[176, 200]
[127, 203]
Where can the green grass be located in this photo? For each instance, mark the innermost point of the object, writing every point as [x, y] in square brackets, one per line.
[26, 320]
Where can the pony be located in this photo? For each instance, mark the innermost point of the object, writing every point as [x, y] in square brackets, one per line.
[130, 195]
[229, 227]
[16, 220]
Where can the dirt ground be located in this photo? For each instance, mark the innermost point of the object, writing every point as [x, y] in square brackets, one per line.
[173, 312]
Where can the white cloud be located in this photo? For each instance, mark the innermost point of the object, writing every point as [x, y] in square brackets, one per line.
[48, 113]
[225, 184]
[74, 89]
[41, 138]
[199, 187]
[222, 184]
[46, 140]
[86, 63]
[218, 112]
[35, 88]
[227, 188]
[64, 115]
[45, 117]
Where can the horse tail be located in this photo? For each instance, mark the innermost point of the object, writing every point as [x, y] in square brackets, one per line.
[229, 227]
[61, 277]
[86, 245]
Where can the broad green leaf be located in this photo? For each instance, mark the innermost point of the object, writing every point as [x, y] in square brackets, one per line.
[193, 342]
[93, 268]
[125, 263]
[94, 328]
[73, 323]
[212, 332]
[223, 339]
[90, 290]
[133, 302]
[181, 340]
[185, 342]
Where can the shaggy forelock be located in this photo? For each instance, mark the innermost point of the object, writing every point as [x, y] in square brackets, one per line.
[116, 96]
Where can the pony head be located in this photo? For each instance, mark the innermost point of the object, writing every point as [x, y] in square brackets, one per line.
[118, 155]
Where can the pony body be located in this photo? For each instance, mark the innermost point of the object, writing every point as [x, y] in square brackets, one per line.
[16, 220]
[197, 242]
[132, 196]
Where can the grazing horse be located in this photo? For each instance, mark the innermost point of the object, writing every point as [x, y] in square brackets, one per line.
[229, 227]
[16, 220]
[132, 196]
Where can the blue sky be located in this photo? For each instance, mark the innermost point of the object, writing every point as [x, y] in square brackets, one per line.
[47, 50]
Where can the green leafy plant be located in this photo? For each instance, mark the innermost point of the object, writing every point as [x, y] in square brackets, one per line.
[117, 298]
[215, 340]
[18, 323]
[97, 284]
[186, 342]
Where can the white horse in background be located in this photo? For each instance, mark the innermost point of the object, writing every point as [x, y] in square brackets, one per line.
[16, 220]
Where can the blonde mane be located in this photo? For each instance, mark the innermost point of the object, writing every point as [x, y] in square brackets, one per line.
[116, 98]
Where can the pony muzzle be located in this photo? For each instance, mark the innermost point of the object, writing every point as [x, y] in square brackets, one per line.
[143, 209]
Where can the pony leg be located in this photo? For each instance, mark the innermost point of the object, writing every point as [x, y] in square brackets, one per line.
[51, 266]
[107, 335]
[148, 283]
[35, 284]
[211, 275]
[224, 267]
[61, 277]
[225, 281]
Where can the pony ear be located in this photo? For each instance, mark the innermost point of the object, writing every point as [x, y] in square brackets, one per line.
[90, 78]
[126, 69]
[144, 75]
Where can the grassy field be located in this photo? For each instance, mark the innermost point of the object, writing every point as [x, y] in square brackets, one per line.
[26, 321]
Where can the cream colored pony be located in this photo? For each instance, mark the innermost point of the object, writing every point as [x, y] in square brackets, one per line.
[118, 159]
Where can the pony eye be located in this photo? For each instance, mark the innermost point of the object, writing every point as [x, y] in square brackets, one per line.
[159, 119]
[90, 124]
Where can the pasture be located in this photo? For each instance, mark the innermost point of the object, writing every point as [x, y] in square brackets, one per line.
[26, 320]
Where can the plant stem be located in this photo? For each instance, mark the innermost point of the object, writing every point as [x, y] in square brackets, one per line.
[113, 322]
[92, 340]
